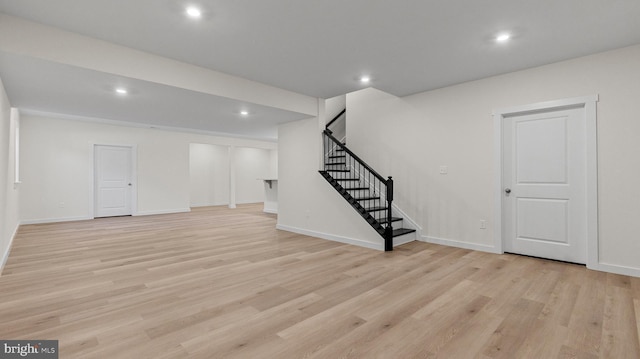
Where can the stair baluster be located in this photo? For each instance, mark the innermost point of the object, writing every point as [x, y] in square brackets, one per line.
[370, 194]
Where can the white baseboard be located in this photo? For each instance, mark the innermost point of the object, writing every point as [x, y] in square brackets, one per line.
[398, 241]
[617, 269]
[271, 210]
[209, 205]
[164, 211]
[331, 237]
[54, 220]
[5, 255]
[603, 267]
[459, 244]
[72, 219]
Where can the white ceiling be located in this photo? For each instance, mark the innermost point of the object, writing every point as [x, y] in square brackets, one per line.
[316, 48]
[40, 86]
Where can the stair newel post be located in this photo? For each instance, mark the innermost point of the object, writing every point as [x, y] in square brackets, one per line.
[388, 231]
[369, 193]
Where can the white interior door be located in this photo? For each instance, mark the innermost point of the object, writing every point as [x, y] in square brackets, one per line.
[544, 178]
[113, 177]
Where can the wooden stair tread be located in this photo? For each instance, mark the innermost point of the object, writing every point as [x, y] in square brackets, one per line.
[393, 219]
[366, 198]
[366, 212]
[402, 231]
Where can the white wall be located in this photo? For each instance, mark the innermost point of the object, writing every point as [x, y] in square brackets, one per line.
[453, 126]
[57, 166]
[273, 164]
[252, 165]
[307, 204]
[209, 174]
[9, 199]
[335, 105]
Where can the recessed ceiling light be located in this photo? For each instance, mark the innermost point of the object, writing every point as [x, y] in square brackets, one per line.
[121, 91]
[244, 113]
[503, 37]
[365, 79]
[194, 12]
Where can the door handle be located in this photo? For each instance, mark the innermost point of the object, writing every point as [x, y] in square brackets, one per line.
[129, 184]
[507, 190]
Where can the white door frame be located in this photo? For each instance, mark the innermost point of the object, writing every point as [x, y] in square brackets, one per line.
[589, 103]
[134, 177]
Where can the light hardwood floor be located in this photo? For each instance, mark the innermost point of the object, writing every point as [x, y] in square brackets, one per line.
[221, 283]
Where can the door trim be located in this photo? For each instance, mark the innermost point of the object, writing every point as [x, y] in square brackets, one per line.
[589, 104]
[134, 177]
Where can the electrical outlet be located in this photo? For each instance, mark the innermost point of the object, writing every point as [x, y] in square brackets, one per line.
[61, 204]
[483, 224]
[443, 170]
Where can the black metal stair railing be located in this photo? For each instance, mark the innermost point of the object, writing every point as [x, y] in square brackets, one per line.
[328, 126]
[365, 189]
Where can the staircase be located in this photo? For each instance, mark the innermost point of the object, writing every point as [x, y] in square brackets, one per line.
[370, 194]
